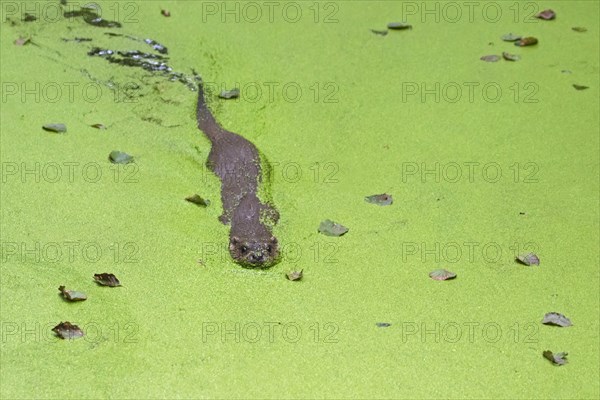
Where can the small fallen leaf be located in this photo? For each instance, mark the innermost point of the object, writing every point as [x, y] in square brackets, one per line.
[528, 41]
[66, 330]
[118, 157]
[21, 41]
[56, 128]
[230, 94]
[331, 228]
[380, 199]
[72, 295]
[509, 37]
[511, 57]
[98, 126]
[556, 359]
[546, 14]
[294, 275]
[199, 201]
[557, 319]
[383, 324]
[106, 279]
[579, 29]
[442, 275]
[490, 58]
[165, 13]
[399, 26]
[528, 259]
[380, 33]
[580, 87]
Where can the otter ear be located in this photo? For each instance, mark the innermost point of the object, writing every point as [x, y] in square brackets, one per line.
[233, 242]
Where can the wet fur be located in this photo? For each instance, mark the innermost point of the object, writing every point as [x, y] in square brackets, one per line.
[236, 161]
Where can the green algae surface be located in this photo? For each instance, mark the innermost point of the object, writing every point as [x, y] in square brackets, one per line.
[485, 161]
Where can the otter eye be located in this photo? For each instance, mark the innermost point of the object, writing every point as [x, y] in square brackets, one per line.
[270, 248]
[243, 249]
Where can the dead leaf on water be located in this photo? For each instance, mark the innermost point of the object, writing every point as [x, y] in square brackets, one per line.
[56, 128]
[72, 295]
[383, 199]
[546, 15]
[66, 330]
[580, 87]
[557, 319]
[555, 358]
[106, 279]
[528, 41]
[295, 275]
[510, 57]
[490, 58]
[528, 259]
[331, 228]
[442, 275]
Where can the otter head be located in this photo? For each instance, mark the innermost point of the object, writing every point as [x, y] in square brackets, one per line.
[254, 252]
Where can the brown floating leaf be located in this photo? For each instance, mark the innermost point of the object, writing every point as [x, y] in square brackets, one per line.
[556, 359]
[399, 26]
[380, 199]
[580, 87]
[557, 319]
[66, 330]
[72, 295]
[579, 29]
[442, 275]
[230, 94]
[119, 157]
[546, 14]
[295, 275]
[98, 126]
[199, 201]
[383, 324]
[528, 259]
[509, 37]
[56, 128]
[380, 33]
[21, 41]
[331, 228]
[490, 58]
[106, 279]
[511, 57]
[528, 41]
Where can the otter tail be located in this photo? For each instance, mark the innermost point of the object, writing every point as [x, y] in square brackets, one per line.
[206, 120]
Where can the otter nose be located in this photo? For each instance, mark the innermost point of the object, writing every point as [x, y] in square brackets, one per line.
[256, 258]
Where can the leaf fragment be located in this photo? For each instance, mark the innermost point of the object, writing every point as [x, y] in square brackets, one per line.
[383, 199]
[383, 324]
[119, 157]
[527, 41]
[72, 295]
[556, 319]
[199, 201]
[509, 37]
[580, 87]
[98, 126]
[67, 330]
[56, 128]
[21, 41]
[107, 279]
[380, 33]
[230, 94]
[579, 29]
[546, 15]
[490, 58]
[165, 13]
[510, 57]
[295, 275]
[331, 228]
[399, 26]
[528, 259]
[442, 275]
[555, 359]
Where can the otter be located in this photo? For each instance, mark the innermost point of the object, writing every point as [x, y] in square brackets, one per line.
[240, 167]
